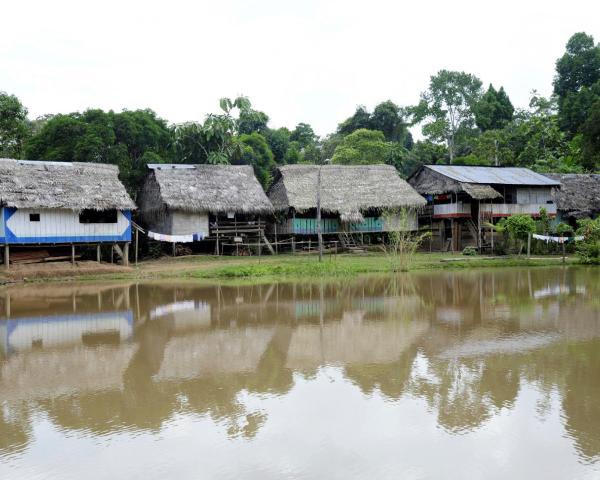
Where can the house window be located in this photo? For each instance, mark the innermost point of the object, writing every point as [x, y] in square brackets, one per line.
[96, 216]
[34, 217]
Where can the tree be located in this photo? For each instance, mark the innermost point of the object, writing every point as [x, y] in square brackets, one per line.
[518, 227]
[494, 111]
[577, 81]
[252, 121]
[591, 138]
[387, 117]
[362, 147]
[447, 107]
[361, 119]
[579, 67]
[304, 135]
[256, 152]
[13, 126]
[129, 139]
[279, 142]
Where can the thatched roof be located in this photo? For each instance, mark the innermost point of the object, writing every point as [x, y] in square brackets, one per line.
[345, 190]
[204, 188]
[579, 195]
[71, 186]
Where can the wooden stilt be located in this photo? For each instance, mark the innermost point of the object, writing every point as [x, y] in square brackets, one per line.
[72, 254]
[174, 249]
[137, 232]
[7, 256]
[112, 253]
[126, 254]
[98, 255]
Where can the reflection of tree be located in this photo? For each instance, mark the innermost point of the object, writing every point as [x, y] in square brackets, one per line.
[581, 398]
[15, 429]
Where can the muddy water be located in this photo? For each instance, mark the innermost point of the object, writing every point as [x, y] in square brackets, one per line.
[442, 375]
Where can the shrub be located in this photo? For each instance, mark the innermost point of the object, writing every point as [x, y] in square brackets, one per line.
[469, 251]
[588, 249]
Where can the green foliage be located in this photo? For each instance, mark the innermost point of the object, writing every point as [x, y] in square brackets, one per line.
[256, 152]
[591, 138]
[588, 250]
[494, 111]
[279, 143]
[362, 147]
[401, 243]
[129, 139]
[469, 251]
[304, 135]
[517, 227]
[13, 126]
[251, 121]
[447, 107]
[387, 117]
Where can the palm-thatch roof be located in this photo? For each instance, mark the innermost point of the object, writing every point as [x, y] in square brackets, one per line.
[579, 195]
[345, 190]
[65, 185]
[204, 188]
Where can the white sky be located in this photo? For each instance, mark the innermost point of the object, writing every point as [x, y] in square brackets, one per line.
[299, 61]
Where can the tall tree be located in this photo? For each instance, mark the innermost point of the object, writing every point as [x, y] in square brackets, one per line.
[494, 110]
[577, 81]
[13, 126]
[279, 142]
[447, 107]
[252, 121]
[360, 119]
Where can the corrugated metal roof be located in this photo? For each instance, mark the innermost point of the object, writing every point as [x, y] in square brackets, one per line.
[493, 175]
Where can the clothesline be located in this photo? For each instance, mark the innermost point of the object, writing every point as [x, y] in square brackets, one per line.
[189, 238]
[548, 238]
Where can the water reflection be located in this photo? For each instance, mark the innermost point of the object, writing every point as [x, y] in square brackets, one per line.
[131, 358]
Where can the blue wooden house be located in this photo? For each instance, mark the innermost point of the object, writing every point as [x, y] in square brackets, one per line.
[62, 203]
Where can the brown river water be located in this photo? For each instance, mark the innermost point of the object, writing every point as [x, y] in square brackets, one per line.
[443, 375]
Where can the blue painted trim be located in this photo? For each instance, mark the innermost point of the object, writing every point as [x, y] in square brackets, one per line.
[11, 238]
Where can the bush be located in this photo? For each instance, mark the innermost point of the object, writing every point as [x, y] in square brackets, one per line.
[588, 249]
[518, 227]
[469, 251]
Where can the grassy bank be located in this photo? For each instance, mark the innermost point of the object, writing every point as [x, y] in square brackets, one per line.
[266, 267]
[343, 265]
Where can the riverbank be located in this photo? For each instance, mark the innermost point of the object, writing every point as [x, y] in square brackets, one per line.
[299, 266]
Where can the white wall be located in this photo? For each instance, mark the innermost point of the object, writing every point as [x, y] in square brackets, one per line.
[183, 223]
[534, 195]
[62, 223]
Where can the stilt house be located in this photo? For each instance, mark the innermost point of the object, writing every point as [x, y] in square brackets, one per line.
[208, 201]
[462, 198]
[353, 199]
[577, 198]
[62, 203]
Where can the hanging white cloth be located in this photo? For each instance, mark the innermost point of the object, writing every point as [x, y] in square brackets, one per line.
[162, 237]
[548, 238]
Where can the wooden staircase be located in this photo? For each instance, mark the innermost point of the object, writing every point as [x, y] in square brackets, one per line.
[348, 242]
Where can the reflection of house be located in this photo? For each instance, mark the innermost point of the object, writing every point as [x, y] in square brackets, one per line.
[214, 352]
[24, 334]
[351, 341]
[461, 198]
[352, 198]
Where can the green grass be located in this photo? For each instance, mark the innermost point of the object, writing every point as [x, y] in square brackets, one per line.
[344, 265]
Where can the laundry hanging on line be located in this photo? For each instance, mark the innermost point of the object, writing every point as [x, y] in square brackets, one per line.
[192, 237]
[548, 238]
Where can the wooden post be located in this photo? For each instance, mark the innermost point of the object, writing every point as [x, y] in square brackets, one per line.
[293, 244]
[452, 233]
[562, 238]
[276, 247]
[6, 256]
[528, 245]
[259, 245]
[98, 256]
[492, 233]
[217, 227]
[72, 254]
[174, 249]
[126, 254]
[112, 253]
[136, 245]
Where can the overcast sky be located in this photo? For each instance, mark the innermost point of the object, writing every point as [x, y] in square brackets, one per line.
[299, 61]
